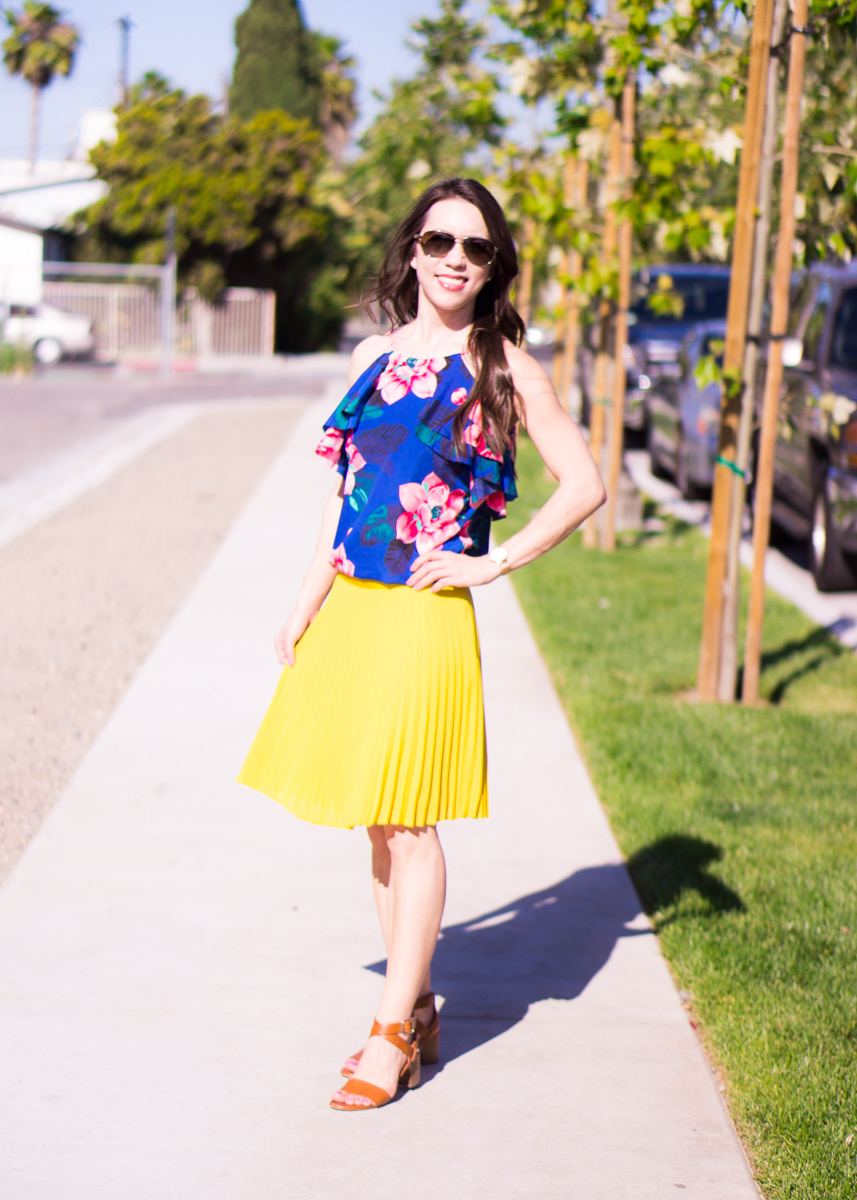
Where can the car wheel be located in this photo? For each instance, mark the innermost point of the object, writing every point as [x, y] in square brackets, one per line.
[47, 351]
[832, 569]
[683, 481]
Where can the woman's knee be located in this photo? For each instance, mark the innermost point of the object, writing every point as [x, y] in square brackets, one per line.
[405, 843]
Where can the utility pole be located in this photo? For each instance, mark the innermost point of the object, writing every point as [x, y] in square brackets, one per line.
[168, 298]
[600, 398]
[125, 24]
[779, 324]
[733, 357]
[729, 645]
[620, 326]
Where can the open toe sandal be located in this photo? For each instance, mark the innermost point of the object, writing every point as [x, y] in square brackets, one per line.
[408, 1077]
[427, 1035]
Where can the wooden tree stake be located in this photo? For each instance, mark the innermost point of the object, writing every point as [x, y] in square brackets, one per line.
[733, 358]
[524, 297]
[774, 377]
[729, 645]
[620, 328]
[600, 398]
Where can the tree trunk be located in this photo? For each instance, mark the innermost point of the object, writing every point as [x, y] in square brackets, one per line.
[572, 330]
[620, 335]
[729, 646]
[733, 358]
[35, 105]
[774, 377]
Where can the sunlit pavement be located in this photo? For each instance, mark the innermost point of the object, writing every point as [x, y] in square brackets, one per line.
[184, 965]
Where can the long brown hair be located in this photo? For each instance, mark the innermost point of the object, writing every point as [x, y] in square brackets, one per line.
[494, 318]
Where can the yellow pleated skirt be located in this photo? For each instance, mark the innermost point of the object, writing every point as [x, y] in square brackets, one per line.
[380, 721]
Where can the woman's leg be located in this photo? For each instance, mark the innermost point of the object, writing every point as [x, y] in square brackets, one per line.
[410, 888]
[381, 863]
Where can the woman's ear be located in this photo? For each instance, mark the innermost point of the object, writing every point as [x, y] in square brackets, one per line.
[414, 262]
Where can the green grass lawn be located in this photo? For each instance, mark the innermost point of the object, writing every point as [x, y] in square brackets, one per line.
[739, 826]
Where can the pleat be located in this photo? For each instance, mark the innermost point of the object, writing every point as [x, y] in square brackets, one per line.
[380, 721]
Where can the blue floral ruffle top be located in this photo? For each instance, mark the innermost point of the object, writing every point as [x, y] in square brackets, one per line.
[407, 487]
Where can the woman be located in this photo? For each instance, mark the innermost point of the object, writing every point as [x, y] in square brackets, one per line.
[377, 719]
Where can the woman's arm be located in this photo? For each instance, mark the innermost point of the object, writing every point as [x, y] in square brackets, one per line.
[319, 578]
[317, 583]
[565, 454]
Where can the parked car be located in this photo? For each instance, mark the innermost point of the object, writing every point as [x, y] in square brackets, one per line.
[683, 419]
[815, 464]
[51, 333]
[667, 302]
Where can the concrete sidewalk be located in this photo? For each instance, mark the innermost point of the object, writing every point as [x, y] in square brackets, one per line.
[185, 965]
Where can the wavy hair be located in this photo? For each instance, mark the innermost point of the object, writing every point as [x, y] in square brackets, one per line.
[396, 292]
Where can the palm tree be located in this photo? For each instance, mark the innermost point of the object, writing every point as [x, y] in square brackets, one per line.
[39, 47]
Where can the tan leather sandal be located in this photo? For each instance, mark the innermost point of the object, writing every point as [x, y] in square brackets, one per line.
[428, 1035]
[409, 1076]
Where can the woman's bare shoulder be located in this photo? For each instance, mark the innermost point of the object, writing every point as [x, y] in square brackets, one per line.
[527, 373]
[366, 352]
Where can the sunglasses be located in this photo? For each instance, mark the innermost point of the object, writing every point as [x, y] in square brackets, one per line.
[437, 244]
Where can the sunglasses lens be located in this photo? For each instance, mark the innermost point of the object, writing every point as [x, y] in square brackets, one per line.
[478, 251]
[437, 245]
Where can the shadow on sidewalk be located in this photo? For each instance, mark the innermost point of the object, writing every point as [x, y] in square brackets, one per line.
[545, 946]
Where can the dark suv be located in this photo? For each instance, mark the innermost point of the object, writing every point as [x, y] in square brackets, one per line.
[666, 302]
[815, 465]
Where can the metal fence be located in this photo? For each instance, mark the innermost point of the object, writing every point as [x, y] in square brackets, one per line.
[128, 321]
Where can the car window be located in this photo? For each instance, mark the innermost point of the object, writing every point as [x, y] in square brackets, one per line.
[799, 304]
[815, 325]
[665, 298]
[843, 350]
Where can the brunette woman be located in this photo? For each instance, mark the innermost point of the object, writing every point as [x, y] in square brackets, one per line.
[378, 719]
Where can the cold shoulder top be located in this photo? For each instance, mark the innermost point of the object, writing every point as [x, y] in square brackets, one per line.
[407, 488]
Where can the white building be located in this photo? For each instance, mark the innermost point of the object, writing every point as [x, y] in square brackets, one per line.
[21, 254]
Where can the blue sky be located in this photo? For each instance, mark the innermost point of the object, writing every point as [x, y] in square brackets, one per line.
[190, 41]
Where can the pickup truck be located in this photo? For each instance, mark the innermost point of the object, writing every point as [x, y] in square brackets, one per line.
[815, 464]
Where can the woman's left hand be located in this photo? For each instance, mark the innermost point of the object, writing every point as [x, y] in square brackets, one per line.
[443, 569]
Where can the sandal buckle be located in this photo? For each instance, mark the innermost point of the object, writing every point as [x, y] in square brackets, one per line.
[409, 1025]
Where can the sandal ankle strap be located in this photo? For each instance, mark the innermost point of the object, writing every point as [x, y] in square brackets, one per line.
[396, 1029]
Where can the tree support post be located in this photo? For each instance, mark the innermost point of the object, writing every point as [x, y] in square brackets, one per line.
[620, 334]
[569, 180]
[600, 374]
[729, 646]
[524, 299]
[733, 357]
[575, 269]
[774, 376]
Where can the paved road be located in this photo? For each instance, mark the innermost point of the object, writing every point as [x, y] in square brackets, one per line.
[183, 965]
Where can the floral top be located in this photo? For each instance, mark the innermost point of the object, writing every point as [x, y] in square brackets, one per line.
[407, 487]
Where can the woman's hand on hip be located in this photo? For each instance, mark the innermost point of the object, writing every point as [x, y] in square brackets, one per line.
[440, 569]
[289, 636]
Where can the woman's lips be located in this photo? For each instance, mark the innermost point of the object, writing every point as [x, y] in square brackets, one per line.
[452, 283]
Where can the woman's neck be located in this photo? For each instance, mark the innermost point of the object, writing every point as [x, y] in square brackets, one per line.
[435, 333]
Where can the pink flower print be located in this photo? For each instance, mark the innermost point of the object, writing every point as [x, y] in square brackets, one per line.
[339, 560]
[459, 396]
[430, 513]
[473, 435]
[402, 375]
[497, 503]
[356, 462]
[330, 446]
[466, 541]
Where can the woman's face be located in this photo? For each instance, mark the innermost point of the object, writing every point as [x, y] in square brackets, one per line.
[451, 283]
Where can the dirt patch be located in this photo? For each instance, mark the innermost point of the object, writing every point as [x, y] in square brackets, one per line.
[86, 595]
